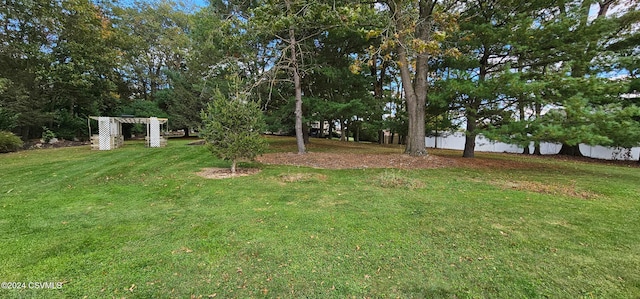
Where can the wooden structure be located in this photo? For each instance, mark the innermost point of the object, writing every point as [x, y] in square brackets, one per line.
[110, 131]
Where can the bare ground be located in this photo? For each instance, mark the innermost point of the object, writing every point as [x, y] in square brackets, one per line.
[328, 160]
[356, 161]
[223, 173]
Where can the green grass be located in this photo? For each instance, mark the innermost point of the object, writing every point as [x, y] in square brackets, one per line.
[138, 223]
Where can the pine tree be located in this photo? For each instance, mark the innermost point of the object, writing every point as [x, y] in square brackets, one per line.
[232, 127]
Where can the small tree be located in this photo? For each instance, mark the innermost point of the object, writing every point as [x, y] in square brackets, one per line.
[231, 128]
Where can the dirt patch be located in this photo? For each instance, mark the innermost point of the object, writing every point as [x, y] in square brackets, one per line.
[397, 179]
[356, 161]
[223, 173]
[301, 177]
[552, 189]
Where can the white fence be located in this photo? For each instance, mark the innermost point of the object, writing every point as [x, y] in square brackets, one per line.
[457, 140]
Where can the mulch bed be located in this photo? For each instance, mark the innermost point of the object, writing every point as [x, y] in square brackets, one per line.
[356, 161]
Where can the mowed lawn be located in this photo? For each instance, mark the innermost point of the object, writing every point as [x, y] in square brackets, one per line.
[139, 223]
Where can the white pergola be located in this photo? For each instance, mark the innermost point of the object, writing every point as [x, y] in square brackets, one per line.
[110, 131]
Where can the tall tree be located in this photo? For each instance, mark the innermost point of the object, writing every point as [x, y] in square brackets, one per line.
[288, 23]
[586, 31]
[333, 91]
[483, 84]
[155, 39]
[416, 32]
[58, 58]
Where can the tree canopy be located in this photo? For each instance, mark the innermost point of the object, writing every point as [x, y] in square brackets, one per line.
[522, 72]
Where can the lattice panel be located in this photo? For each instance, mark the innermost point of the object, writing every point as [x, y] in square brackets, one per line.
[104, 131]
[154, 132]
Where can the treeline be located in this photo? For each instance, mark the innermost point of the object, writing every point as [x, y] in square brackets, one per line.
[555, 71]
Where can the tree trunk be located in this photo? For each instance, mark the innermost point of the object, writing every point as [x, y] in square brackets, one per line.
[570, 150]
[305, 133]
[538, 110]
[297, 85]
[470, 138]
[186, 132]
[331, 124]
[415, 86]
[345, 131]
[321, 132]
[523, 118]
[378, 84]
[435, 139]
[536, 149]
[233, 167]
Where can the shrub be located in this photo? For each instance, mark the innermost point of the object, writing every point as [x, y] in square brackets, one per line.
[47, 134]
[9, 142]
[69, 126]
[232, 128]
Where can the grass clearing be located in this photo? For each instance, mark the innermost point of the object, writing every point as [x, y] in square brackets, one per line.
[139, 223]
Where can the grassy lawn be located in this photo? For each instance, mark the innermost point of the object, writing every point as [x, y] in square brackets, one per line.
[138, 223]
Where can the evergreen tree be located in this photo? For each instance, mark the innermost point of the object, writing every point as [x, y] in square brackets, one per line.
[232, 127]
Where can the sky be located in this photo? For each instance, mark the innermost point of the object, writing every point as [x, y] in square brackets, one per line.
[197, 3]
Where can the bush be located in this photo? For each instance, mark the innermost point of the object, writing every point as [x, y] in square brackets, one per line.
[9, 142]
[47, 134]
[232, 128]
[69, 126]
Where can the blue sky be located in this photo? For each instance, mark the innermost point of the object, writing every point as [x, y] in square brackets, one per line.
[198, 3]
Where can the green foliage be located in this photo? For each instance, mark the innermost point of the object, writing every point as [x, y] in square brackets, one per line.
[493, 62]
[4, 83]
[398, 122]
[634, 86]
[9, 142]
[154, 38]
[47, 134]
[56, 56]
[142, 108]
[592, 112]
[521, 59]
[232, 128]
[69, 126]
[8, 120]
[182, 101]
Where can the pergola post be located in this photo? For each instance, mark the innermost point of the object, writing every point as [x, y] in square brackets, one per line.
[154, 132]
[104, 132]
